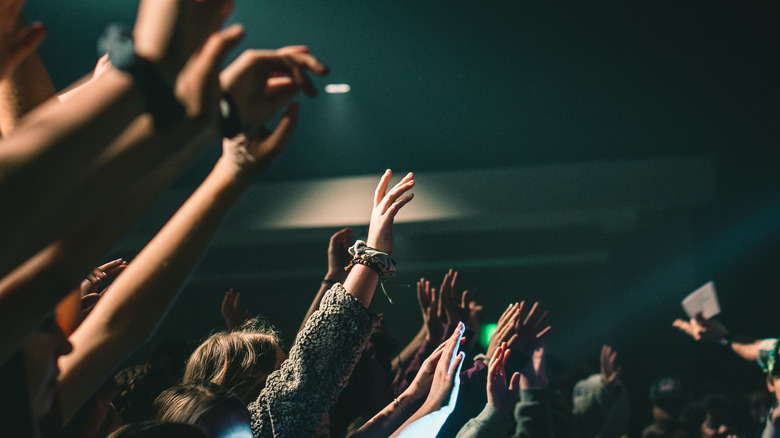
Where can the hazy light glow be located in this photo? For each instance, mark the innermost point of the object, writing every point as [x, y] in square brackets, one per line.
[486, 332]
[337, 88]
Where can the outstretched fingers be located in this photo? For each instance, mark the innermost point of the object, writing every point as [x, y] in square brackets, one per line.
[391, 200]
[381, 188]
[396, 207]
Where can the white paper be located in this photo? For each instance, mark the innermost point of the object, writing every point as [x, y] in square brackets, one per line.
[703, 300]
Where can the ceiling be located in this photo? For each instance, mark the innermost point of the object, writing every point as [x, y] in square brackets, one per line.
[443, 85]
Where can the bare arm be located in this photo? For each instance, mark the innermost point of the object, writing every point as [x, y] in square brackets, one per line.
[401, 409]
[56, 144]
[713, 332]
[429, 418]
[362, 280]
[34, 287]
[140, 297]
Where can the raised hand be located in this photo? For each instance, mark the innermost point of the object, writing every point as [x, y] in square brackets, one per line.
[16, 40]
[246, 154]
[609, 372]
[386, 206]
[528, 332]
[90, 284]
[261, 82]
[421, 385]
[232, 311]
[446, 378]
[429, 307]
[338, 255]
[505, 328]
[701, 329]
[499, 395]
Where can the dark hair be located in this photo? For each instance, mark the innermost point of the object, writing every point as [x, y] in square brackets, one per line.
[138, 386]
[718, 407]
[240, 360]
[203, 404]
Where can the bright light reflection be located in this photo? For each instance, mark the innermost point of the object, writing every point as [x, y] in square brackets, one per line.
[337, 88]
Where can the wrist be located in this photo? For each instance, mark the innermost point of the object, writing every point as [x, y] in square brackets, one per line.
[235, 172]
[411, 398]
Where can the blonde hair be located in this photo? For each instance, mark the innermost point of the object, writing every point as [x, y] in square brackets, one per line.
[239, 360]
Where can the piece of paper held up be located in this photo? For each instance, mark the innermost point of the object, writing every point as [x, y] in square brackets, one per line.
[703, 300]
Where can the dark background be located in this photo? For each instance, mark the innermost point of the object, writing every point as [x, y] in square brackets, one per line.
[468, 89]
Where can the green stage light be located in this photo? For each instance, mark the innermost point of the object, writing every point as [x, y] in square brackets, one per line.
[485, 332]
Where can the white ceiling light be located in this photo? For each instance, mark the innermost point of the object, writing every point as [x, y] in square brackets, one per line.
[337, 88]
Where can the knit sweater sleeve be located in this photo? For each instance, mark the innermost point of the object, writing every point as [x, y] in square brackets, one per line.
[297, 395]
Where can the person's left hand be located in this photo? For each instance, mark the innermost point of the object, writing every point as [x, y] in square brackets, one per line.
[505, 328]
[17, 41]
[528, 332]
[421, 385]
[446, 378]
[261, 82]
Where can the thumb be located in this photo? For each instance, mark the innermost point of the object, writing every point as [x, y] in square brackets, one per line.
[218, 45]
[281, 135]
[514, 384]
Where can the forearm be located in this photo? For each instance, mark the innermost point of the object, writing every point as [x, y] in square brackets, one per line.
[27, 295]
[127, 167]
[426, 422]
[138, 299]
[361, 283]
[746, 348]
[33, 288]
[57, 144]
[388, 419]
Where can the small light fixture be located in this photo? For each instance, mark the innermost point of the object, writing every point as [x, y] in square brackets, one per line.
[337, 88]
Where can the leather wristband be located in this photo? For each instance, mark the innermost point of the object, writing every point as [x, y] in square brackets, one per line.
[158, 96]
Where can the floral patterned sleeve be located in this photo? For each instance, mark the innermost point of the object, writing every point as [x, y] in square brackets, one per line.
[296, 396]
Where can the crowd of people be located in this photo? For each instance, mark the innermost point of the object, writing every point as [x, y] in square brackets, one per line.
[78, 169]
